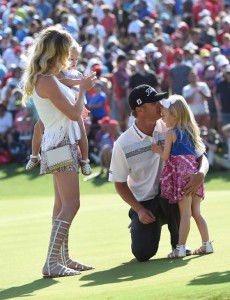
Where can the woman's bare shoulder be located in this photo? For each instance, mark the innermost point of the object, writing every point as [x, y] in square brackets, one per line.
[44, 84]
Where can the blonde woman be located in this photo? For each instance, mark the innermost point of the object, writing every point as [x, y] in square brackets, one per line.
[180, 144]
[71, 77]
[59, 112]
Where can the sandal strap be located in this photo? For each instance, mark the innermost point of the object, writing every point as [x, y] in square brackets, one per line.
[35, 156]
[86, 161]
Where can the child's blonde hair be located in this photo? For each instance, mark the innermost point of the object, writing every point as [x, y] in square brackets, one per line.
[50, 48]
[185, 119]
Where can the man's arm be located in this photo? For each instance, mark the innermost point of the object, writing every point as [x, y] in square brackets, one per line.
[197, 179]
[145, 215]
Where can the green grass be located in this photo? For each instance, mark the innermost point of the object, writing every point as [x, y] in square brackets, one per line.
[99, 236]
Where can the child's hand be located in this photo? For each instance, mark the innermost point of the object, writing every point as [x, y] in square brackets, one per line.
[85, 113]
[157, 148]
[88, 81]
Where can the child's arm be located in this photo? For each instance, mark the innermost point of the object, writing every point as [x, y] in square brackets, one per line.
[67, 81]
[165, 152]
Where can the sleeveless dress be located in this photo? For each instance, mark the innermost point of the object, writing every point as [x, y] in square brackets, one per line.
[59, 129]
[181, 162]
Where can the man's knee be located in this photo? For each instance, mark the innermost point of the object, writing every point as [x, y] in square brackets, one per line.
[143, 254]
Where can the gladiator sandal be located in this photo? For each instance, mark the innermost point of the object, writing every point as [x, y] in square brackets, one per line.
[206, 248]
[85, 167]
[179, 252]
[64, 258]
[52, 267]
[33, 162]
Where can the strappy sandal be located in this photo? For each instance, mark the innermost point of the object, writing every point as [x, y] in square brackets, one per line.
[179, 252]
[32, 164]
[60, 271]
[206, 248]
[85, 167]
[74, 265]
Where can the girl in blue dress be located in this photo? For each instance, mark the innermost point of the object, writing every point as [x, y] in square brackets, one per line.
[181, 145]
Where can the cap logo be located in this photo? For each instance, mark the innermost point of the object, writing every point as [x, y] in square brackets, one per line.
[139, 101]
[149, 90]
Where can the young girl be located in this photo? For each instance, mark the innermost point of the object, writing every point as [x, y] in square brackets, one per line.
[179, 152]
[70, 77]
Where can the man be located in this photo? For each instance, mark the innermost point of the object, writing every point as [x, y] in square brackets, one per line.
[135, 170]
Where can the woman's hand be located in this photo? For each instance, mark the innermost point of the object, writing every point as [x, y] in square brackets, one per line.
[88, 81]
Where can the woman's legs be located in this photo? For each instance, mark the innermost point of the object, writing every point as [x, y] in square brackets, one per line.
[66, 187]
[64, 258]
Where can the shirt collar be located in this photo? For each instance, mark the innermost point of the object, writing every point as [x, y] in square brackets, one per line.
[139, 133]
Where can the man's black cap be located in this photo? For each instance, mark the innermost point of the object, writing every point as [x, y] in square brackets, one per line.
[144, 94]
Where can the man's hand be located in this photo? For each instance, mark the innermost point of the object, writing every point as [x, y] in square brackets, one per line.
[195, 181]
[146, 216]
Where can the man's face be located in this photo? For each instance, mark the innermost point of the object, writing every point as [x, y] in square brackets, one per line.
[152, 111]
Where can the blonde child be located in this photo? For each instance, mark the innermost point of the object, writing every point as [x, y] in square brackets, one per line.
[181, 141]
[71, 78]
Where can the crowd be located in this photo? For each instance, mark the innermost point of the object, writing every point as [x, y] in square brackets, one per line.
[179, 47]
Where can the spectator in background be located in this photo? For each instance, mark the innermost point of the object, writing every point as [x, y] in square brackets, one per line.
[223, 96]
[6, 123]
[106, 144]
[120, 79]
[96, 104]
[178, 73]
[197, 94]
[143, 75]
[108, 20]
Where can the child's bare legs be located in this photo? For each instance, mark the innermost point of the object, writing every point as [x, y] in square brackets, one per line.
[201, 224]
[36, 144]
[185, 216]
[84, 148]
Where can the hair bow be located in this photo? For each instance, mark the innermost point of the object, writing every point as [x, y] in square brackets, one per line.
[171, 100]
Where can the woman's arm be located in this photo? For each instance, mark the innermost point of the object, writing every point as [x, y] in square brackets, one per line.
[47, 87]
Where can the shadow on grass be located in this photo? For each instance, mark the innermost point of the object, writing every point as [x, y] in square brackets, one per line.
[211, 278]
[12, 170]
[26, 289]
[133, 270]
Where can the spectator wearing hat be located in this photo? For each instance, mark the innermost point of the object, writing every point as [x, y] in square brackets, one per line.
[108, 21]
[178, 73]
[135, 171]
[223, 96]
[135, 24]
[225, 28]
[183, 28]
[143, 75]
[207, 32]
[96, 103]
[166, 51]
[158, 32]
[200, 5]
[166, 24]
[225, 47]
[21, 30]
[161, 70]
[197, 94]
[106, 144]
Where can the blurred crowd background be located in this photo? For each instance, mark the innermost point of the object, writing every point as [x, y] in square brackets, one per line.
[178, 46]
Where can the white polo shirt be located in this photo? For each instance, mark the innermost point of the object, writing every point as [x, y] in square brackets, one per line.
[134, 161]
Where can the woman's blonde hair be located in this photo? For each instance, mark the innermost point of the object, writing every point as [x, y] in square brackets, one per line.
[185, 120]
[50, 49]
